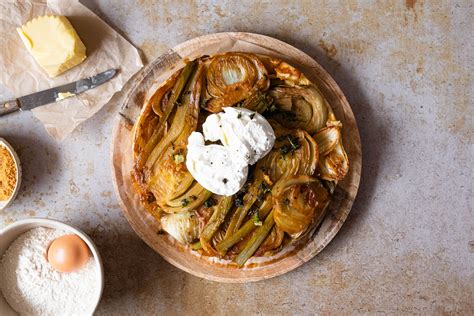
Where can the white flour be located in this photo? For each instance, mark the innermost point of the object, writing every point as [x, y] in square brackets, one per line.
[32, 287]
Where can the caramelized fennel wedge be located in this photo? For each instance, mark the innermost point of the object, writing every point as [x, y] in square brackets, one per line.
[233, 77]
[256, 240]
[177, 82]
[233, 238]
[300, 107]
[217, 218]
[298, 201]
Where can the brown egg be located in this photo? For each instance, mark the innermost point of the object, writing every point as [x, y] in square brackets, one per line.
[68, 253]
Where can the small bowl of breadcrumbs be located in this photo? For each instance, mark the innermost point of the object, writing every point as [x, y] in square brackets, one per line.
[10, 174]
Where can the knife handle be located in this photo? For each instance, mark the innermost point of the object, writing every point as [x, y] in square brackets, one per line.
[8, 107]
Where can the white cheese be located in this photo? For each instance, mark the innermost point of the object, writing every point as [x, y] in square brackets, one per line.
[215, 167]
[247, 132]
[246, 137]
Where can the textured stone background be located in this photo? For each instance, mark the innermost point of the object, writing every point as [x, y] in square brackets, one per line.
[408, 245]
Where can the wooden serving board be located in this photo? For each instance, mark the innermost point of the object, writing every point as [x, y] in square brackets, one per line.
[147, 227]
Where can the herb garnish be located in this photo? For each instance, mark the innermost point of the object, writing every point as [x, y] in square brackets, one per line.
[294, 142]
[293, 145]
[209, 202]
[252, 116]
[184, 202]
[265, 188]
[285, 149]
[239, 202]
[178, 158]
[239, 115]
[256, 220]
[225, 180]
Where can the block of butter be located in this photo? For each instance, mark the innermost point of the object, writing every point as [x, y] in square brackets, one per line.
[53, 42]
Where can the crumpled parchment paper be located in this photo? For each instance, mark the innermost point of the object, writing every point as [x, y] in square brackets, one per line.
[106, 49]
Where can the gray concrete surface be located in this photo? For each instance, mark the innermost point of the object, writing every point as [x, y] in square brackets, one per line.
[407, 247]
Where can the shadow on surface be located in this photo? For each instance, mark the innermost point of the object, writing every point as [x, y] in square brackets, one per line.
[86, 28]
[131, 267]
[39, 160]
[95, 8]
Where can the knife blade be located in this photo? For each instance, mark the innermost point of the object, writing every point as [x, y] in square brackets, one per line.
[59, 93]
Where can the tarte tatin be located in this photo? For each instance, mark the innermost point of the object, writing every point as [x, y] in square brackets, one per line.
[286, 192]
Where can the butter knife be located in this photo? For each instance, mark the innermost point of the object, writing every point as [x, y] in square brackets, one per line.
[36, 99]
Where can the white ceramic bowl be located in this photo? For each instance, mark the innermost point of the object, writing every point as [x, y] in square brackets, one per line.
[12, 231]
[4, 204]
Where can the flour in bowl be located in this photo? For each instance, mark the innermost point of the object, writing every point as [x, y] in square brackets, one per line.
[32, 287]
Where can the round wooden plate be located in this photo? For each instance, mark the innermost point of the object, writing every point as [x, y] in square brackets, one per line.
[148, 228]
